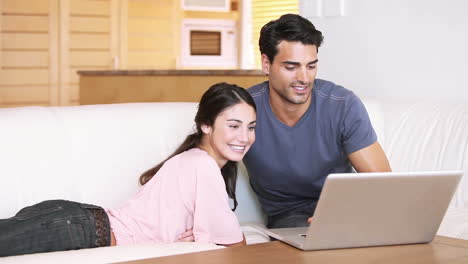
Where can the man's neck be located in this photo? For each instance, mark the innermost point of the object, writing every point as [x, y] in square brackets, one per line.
[288, 113]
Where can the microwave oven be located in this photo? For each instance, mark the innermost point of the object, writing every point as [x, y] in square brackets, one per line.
[208, 43]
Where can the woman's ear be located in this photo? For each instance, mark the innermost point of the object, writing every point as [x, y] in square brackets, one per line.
[206, 129]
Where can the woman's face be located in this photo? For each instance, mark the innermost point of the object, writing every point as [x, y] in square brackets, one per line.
[231, 135]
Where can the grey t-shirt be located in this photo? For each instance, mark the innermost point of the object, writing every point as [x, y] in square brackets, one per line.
[287, 165]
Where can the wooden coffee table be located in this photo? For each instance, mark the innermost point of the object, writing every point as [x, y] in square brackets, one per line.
[441, 250]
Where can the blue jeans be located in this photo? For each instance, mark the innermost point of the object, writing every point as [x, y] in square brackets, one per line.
[48, 226]
[296, 217]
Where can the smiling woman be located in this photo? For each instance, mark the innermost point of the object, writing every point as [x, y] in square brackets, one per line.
[184, 198]
[232, 134]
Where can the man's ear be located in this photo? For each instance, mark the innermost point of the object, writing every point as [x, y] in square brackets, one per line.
[206, 129]
[265, 64]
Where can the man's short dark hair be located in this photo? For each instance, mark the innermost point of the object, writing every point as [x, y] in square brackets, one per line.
[289, 27]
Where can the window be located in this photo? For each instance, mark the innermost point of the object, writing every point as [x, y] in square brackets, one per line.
[264, 11]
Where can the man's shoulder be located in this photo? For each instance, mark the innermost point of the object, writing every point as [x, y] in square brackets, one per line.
[329, 90]
[258, 89]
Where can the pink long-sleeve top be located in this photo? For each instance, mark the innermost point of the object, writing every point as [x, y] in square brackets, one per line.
[188, 192]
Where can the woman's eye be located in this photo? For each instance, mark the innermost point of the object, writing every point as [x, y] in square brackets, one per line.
[252, 128]
[233, 126]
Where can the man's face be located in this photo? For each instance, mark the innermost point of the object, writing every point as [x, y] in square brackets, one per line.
[292, 72]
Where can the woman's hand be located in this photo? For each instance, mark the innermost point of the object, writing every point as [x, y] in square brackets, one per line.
[186, 236]
[309, 220]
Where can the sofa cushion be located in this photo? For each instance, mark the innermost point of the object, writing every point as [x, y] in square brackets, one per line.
[455, 223]
[34, 166]
[428, 137]
[92, 154]
[376, 114]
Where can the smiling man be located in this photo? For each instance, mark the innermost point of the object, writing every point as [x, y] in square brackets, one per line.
[306, 128]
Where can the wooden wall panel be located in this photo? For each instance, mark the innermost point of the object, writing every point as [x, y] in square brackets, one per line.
[64, 41]
[10, 77]
[24, 41]
[152, 41]
[75, 94]
[26, 6]
[54, 56]
[89, 59]
[25, 59]
[25, 23]
[89, 41]
[90, 24]
[89, 7]
[145, 8]
[151, 60]
[20, 95]
[211, 15]
[1, 38]
[148, 26]
[24, 52]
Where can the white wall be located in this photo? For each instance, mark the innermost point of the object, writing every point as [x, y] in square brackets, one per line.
[400, 49]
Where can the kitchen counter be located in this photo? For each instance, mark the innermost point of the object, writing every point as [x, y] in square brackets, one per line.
[126, 86]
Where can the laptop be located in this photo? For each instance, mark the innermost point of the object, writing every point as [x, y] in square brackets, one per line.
[375, 209]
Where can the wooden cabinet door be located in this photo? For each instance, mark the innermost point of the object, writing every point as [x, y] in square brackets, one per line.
[28, 51]
[44, 43]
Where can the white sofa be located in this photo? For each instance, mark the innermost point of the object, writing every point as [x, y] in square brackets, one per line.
[94, 154]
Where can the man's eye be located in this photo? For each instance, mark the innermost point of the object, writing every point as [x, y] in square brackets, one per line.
[289, 68]
[312, 67]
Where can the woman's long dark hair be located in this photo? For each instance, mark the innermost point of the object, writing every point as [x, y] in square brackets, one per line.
[215, 100]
